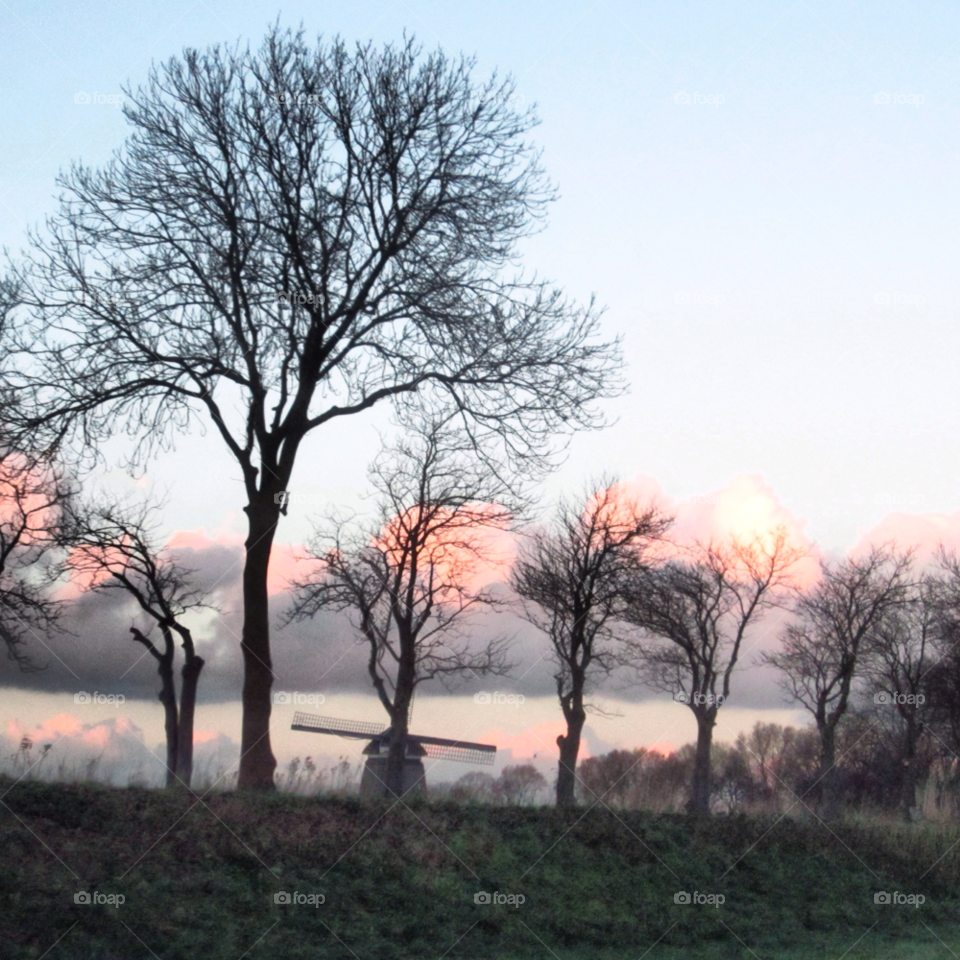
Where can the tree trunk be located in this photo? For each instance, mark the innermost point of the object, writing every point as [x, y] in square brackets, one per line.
[257, 762]
[168, 697]
[908, 792]
[190, 675]
[828, 773]
[400, 723]
[569, 749]
[700, 786]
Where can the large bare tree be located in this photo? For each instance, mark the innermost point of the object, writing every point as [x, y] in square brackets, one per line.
[34, 494]
[572, 576]
[823, 651]
[292, 235]
[35, 491]
[409, 578]
[113, 546]
[693, 615]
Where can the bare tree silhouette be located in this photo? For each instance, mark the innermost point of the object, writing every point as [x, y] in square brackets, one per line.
[572, 576]
[408, 577]
[823, 652]
[113, 546]
[693, 615]
[293, 235]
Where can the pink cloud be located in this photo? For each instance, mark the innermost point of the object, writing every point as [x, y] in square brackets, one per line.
[287, 561]
[64, 731]
[541, 740]
[925, 531]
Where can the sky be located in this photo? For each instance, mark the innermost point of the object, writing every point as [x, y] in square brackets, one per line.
[761, 195]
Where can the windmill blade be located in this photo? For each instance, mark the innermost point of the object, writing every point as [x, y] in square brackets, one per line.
[439, 748]
[357, 729]
[483, 757]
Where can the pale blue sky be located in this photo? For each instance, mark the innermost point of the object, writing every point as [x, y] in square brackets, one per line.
[779, 255]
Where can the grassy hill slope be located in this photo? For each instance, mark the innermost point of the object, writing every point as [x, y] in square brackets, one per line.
[199, 878]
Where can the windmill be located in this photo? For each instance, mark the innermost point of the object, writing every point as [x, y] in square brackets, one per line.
[373, 781]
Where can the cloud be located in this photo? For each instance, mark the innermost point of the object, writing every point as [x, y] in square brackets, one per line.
[925, 531]
[113, 750]
[324, 654]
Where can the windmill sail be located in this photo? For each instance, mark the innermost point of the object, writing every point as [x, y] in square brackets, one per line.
[480, 753]
[341, 728]
[438, 748]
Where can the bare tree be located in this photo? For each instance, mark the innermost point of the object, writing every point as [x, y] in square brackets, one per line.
[823, 651]
[571, 577]
[519, 785]
[34, 493]
[409, 577]
[899, 654]
[113, 546]
[290, 236]
[693, 615]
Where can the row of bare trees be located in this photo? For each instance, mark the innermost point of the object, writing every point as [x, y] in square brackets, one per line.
[302, 232]
[291, 235]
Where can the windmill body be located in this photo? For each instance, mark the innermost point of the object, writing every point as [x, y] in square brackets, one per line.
[373, 781]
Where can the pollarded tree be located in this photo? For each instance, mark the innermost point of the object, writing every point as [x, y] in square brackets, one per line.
[572, 576]
[693, 615]
[823, 651]
[410, 577]
[113, 546]
[293, 235]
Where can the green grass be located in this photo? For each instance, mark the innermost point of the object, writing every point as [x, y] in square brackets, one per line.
[199, 878]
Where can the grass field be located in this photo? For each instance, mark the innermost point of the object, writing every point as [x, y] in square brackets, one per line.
[199, 877]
